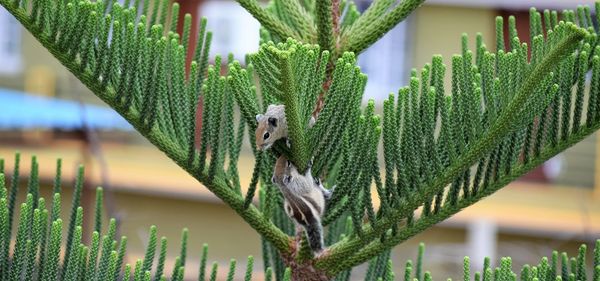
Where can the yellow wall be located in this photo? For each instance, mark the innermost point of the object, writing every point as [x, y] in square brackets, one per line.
[438, 30]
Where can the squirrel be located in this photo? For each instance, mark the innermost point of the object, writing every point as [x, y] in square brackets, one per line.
[304, 201]
[272, 126]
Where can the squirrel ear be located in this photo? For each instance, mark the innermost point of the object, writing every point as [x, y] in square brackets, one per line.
[273, 121]
[259, 117]
[317, 181]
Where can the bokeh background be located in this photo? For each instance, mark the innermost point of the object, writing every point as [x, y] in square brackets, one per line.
[46, 112]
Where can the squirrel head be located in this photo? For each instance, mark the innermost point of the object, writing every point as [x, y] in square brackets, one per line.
[284, 172]
[271, 127]
[265, 131]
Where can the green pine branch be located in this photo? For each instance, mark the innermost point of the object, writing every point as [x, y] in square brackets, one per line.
[324, 18]
[376, 22]
[267, 20]
[422, 224]
[513, 115]
[336, 26]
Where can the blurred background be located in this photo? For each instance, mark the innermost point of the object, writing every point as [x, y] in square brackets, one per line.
[45, 111]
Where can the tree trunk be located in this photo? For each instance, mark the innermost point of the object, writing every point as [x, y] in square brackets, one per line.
[304, 271]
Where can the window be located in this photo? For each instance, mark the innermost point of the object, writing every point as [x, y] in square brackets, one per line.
[10, 43]
[234, 29]
[386, 62]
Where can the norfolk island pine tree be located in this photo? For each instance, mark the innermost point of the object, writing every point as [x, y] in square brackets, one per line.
[504, 115]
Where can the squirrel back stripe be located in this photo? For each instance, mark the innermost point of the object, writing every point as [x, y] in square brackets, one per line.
[301, 209]
[307, 216]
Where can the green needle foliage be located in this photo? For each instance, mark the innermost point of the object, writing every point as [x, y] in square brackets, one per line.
[102, 259]
[445, 147]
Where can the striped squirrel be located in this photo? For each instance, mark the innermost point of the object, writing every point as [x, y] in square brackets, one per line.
[272, 126]
[304, 201]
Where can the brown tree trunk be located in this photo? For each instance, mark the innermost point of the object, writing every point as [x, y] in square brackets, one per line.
[305, 271]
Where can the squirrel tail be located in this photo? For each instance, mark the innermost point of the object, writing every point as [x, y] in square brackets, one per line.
[314, 232]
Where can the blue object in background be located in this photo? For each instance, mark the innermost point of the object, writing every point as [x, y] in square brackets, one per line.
[21, 111]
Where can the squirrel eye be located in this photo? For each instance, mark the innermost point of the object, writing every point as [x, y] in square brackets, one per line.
[266, 135]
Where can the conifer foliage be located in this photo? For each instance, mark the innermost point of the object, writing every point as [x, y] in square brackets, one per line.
[42, 230]
[505, 114]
